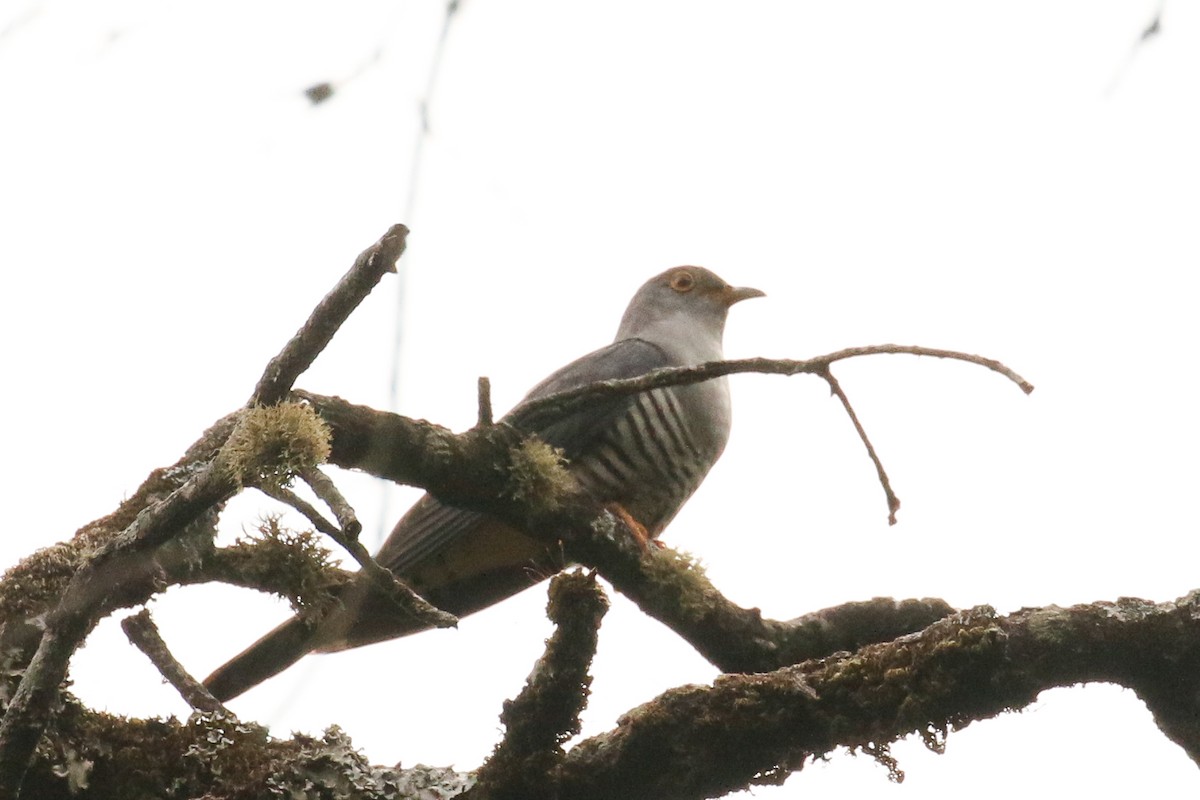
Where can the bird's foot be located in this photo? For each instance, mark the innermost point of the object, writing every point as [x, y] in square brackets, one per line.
[643, 537]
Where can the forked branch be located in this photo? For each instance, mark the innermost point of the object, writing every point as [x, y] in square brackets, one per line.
[535, 413]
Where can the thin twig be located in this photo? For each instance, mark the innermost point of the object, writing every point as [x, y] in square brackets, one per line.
[143, 633]
[892, 500]
[485, 401]
[934, 352]
[534, 413]
[383, 578]
[325, 320]
[325, 489]
[288, 497]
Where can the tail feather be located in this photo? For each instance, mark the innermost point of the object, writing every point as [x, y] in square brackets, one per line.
[270, 655]
[486, 563]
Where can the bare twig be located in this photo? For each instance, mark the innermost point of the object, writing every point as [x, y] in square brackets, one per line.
[534, 413]
[934, 352]
[485, 401]
[299, 353]
[892, 500]
[325, 489]
[142, 631]
[393, 588]
[290, 498]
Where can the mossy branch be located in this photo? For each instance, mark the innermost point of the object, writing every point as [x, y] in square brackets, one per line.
[123, 570]
[704, 741]
[546, 712]
[474, 470]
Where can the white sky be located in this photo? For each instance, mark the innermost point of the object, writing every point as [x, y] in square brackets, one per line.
[1010, 179]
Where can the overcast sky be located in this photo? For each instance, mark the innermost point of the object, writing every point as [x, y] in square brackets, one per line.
[1017, 180]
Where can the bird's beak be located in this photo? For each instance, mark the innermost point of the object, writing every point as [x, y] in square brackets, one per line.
[736, 294]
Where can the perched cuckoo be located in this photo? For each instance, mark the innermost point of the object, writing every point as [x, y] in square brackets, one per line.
[642, 455]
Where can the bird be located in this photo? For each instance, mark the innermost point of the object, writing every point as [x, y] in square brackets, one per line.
[641, 455]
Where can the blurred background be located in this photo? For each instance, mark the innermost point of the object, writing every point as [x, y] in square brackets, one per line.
[1017, 180]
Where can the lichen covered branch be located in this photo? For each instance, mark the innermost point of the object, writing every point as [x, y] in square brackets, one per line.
[546, 712]
[703, 741]
[406, 599]
[470, 470]
[120, 564]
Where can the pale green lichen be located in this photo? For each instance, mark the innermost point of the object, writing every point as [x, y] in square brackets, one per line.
[270, 445]
[538, 475]
[682, 575]
[294, 564]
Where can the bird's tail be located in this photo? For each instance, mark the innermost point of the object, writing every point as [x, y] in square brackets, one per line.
[269, 656]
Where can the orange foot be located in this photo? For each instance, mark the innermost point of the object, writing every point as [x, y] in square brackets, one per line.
[638, 529]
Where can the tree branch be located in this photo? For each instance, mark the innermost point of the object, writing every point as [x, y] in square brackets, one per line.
[143, 633]
[893, 502]
[535, 413]
[123, 570]
[325, 320]
[470, 470]
[392, 587]
[546, 712]
[119, 573]
[703, 741]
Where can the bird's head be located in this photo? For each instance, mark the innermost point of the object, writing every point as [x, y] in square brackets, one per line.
[683, 303]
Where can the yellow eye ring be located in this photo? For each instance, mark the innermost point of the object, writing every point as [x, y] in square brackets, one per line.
[683, 281]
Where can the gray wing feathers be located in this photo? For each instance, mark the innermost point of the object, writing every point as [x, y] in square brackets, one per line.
[429, 526]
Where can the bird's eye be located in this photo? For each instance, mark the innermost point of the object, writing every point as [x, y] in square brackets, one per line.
[683, 281]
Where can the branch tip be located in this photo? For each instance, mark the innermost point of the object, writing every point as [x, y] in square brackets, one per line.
[485, 401]
[143, 634]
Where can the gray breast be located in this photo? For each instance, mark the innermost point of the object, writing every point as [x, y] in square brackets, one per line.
[651, 458]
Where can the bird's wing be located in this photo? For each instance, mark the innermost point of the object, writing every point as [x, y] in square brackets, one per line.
[627, 358]
[430, 529]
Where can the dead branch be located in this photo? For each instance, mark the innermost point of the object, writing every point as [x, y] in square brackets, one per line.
[325, 489]
[119, 573]
[325, 320]
[702, 741]
[535, 413]
[124, 571]
[485, 401]
[893, 502]
[143, 633]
